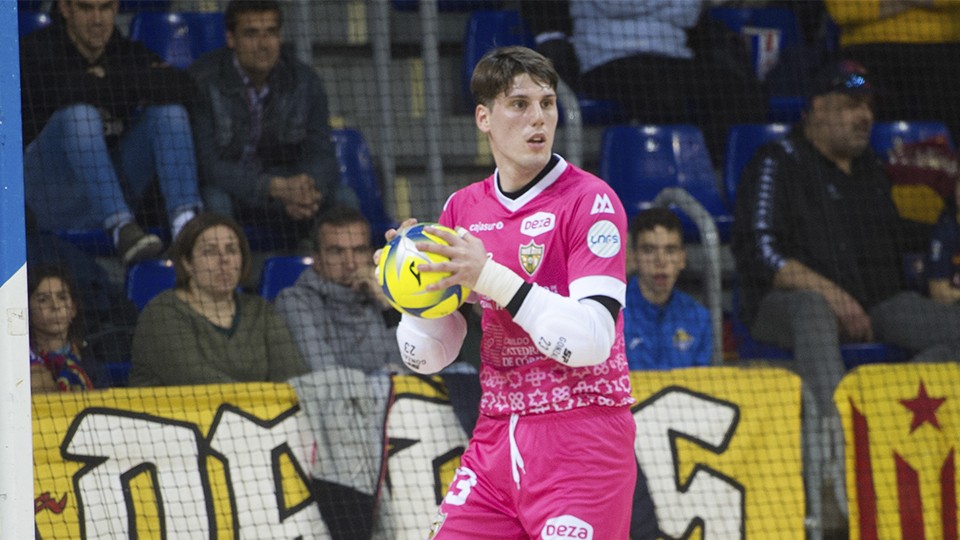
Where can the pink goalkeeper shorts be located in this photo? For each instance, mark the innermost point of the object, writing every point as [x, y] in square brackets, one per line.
[544, 476]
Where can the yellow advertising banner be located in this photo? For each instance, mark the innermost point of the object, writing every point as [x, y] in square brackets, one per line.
[901, 429]
[178, 462]
[719, 449]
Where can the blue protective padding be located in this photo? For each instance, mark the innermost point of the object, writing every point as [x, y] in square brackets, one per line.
[281, 272]
[13, 253]
[640, 161]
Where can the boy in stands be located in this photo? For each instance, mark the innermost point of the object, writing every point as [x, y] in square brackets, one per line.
[541, 243]
[663, 328]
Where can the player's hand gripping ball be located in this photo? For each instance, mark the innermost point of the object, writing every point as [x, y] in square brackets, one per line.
[398, 272]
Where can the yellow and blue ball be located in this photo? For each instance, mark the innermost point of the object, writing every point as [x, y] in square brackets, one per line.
[404, 284]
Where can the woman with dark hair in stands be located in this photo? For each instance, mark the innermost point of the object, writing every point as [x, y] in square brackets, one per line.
[56, 332]
[204, 330]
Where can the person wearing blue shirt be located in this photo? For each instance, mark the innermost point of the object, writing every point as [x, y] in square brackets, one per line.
[664, 328]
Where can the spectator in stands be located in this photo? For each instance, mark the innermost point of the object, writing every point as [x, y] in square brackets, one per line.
[336, 310]
[911, 47]
[56, 332]
[817, 242]
[262, 128]
[205, 331]
[943, 260]
[663, 328]
[637, 52]
[102, 117]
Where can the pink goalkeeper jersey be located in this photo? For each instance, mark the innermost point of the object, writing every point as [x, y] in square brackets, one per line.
[567, 234]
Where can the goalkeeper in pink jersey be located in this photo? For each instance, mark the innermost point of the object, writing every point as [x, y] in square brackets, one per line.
[541, 244]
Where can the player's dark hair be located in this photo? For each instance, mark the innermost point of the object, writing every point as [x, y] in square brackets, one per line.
[496, 70]
[336, 216]
[651, 218]
[235, 8]
[182, 248]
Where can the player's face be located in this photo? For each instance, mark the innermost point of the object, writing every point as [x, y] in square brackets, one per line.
[216, 261]
[520, 126]
[344, 252]
[843, 122]
[89, 23]
[51, 308]
[256, 42]
[660, 257]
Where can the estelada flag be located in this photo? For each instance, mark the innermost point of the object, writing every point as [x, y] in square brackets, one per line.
[901, 437]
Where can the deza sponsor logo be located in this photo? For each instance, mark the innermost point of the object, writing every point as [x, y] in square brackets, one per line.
[538, 224]
[603, 239]
[481, 227]
[566, 526]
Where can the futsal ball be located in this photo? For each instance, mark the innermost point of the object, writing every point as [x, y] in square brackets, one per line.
[399, 274]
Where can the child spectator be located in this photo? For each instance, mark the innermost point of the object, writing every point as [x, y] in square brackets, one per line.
[56, 336]
[663, 328]
[205, 331]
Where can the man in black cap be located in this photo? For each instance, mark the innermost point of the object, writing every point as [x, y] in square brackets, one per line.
[817, 242]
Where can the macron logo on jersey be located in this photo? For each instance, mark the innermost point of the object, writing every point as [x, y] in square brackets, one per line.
[602, 205]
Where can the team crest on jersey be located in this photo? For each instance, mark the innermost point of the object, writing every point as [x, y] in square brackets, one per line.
[682, 340]
[530, 256]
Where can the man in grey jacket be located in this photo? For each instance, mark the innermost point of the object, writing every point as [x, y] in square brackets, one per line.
[336, 312]
[261, 128]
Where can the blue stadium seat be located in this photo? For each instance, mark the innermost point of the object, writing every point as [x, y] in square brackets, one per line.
[639, 161]
[147, 279]
[357, 171]
[28, 21]
[743, 140]
[281, 272]
[179, 38]
[500, 28]
[887, 135]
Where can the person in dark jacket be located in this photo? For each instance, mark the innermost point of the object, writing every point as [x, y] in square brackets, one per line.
[103, 116]
[817, 242]
[261, 128]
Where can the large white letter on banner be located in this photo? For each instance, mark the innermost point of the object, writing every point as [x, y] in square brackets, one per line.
[251, 449]
[165, 449]
[708, 497]
[426, 443]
